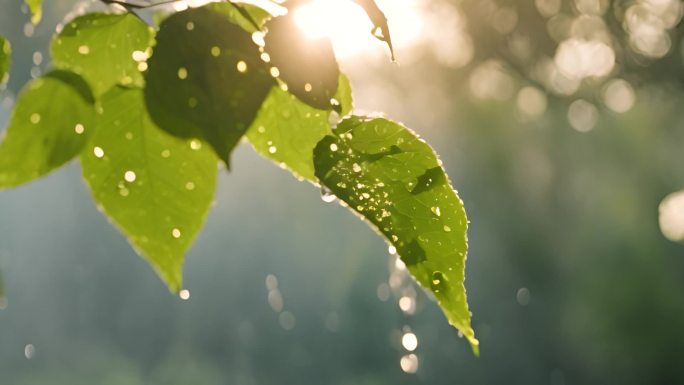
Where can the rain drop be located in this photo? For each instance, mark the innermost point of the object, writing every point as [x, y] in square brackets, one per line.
[79, 129]
[409, 341]
[184, 294]
[84, 50]
[409, 363]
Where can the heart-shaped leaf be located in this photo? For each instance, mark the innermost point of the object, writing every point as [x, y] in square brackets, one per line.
[156, 188]
[206, 79]
[393, 179]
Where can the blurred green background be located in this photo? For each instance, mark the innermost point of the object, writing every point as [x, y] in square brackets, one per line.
[569, 276]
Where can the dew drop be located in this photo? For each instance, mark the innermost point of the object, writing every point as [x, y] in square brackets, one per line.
[195, 144]
[190, 26]
[327, 196]
[307, 87]
[447, 229]
[166, 153]
[176, 233]
[129, 176]
[189, 186]
[272, 150]
[98, 152]
[84, 50]
[215, 51]
[139, 55]
[333, 147]
[356, 167]
[275, 72]
[35, 118]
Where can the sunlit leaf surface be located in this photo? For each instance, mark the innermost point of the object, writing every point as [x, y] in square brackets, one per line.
[308, 66]
[105, 49]
[50, 124]
[206, 79]
[247, 16]
[156, 188]
[394, 180]
[36, 8]
[286, 130]
[5, 59]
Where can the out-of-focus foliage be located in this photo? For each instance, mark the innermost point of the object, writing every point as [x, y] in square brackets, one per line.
[36, 8]
[5, 60]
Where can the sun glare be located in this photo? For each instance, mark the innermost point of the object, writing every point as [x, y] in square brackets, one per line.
[349, 28]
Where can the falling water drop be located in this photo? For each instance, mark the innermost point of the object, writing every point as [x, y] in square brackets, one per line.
[327, 196]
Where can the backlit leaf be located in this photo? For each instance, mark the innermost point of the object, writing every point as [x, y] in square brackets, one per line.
[393, 179]
[308, 66]
[105, 49]
[5, 60]
[286, 130]
[206, 79]
[50, 124]
[156, 188]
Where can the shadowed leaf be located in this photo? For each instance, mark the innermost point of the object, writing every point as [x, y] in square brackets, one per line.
[206, 79]
[308, 66]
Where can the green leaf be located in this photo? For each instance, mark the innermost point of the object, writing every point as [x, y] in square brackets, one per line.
[157, 189]
[5, 59]
[244, 15]
[286, 130]
[393, 179]
[50, 124]
[105, 49]
[206, 79]
[35, 6]
[308, 66]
